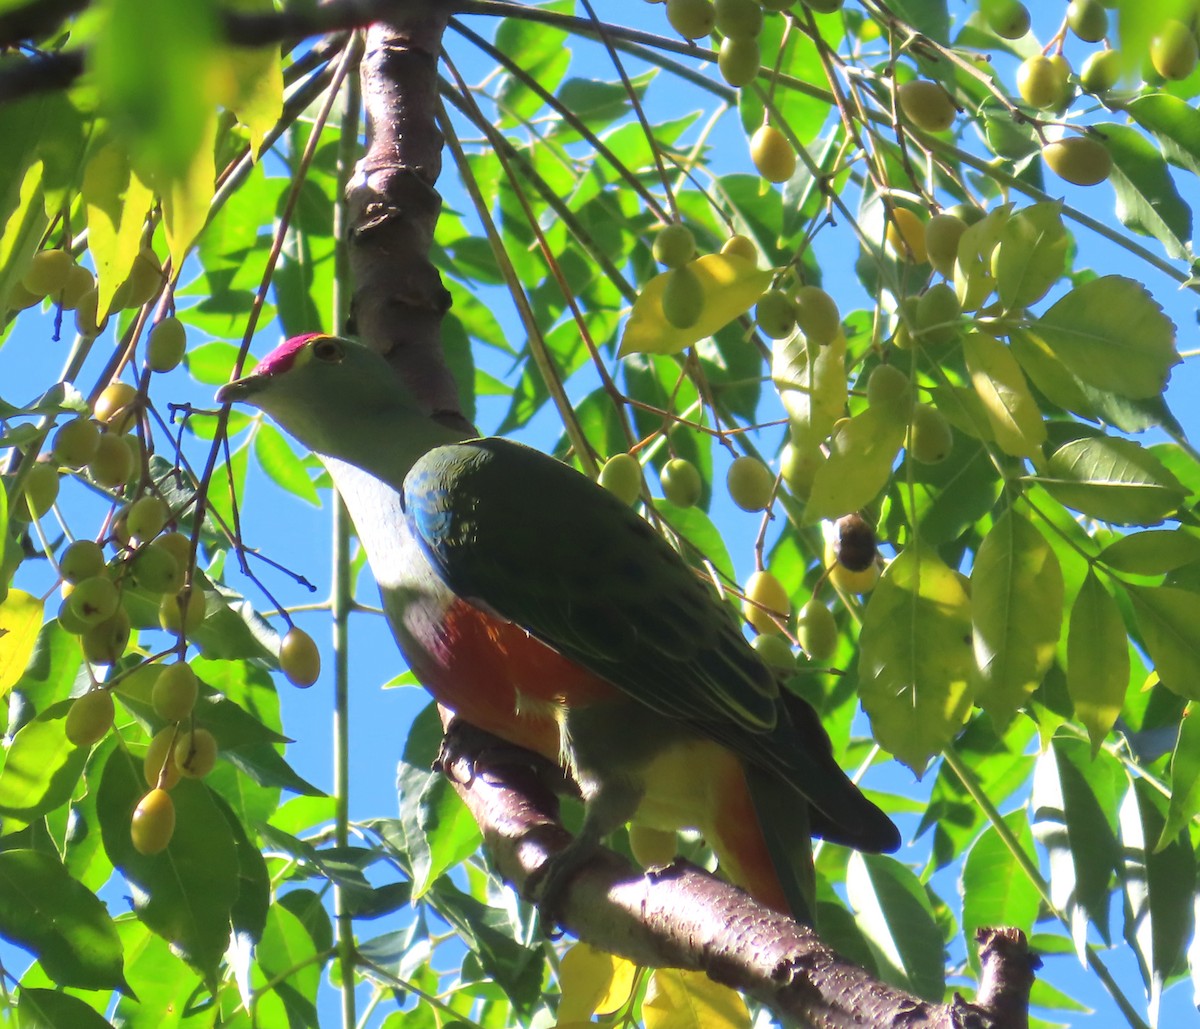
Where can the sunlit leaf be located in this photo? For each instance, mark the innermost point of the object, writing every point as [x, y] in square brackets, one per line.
[1013, 413]
[680, 999]
[811, 380]
[1097, 659]
[592, 982]
[1169, 619]
[1031, 255]
[862, 451]
[20, 620]
[995, 888]
[117, 203]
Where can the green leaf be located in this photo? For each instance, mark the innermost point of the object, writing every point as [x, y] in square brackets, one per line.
[1112, 334]
[212, 363]
[862, 451]
[58, 920]
[20, 621]
[1013, 413]
[287, 956]
[1159, 889]
[257, 74]
[42, 767]
[1147, 200]
[730, 286]
[1074, 810]
[1057, 383]
[1169, 620]
[895, 915]
[811, 380]
[49, 1009]
[1153, 552]
[995, 888]
[1097, 659]
[1016, 609]
[1112, 479]
[282, 465]
[157, 978]
[914, 659]
[187, 892]
[1174, 123]
[945, 498]
[1185, 780]
[1032, 254]
[22, 232]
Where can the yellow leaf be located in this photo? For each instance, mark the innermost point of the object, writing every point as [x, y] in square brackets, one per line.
[677, 999]
[812, 385]
[730, 286]
[20, 620]
[1014, 415]
[862, 451]
[251, 83]
[22, 233]
[117, 202]
[592, 982]
[186, 200]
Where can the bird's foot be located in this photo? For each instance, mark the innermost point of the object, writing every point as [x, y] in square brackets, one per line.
[467, 752]
[550, 883]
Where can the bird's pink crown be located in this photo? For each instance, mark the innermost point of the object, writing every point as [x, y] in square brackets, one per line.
[282, 357]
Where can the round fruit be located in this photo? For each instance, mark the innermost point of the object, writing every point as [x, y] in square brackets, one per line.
[775, 314]
[683, 297]
[94, 600]
[1041, 82]
[90, 717]
[854, 546]
[80, 282]
[750, 483]
[798, 466]
[159, 766]
[115, 407]
[1088, 20]
[766, 600]
[104, 644]
[888, 386]
[681, 482]
[738, 61]
[1008, 19]
[938, 312]
[87, 314]
[740, 246]
[196, 753]
[927, 105]
[692, 19]
[178, 545]
[112, 464]
[774, 650]
[1063, 69]
[622, 477]
[854, 582]
[1079, 159]
[299, 658]
[1173, 51]
[75, 443]
[652, 848]
[146, 517]
[738, 19]
[19, 299]
[81, 560]
[817, 315]
[674, 245]
[930, 438]
[906, 235]
[817, 631]
[68, 619]
[772, 154]
[942, 233]
[156, 570]
[145, 277]
[48, 272]
[175, 691]
[153, 823]
[1101, 71]
[192, 616]
[166, 345]
[39, 492]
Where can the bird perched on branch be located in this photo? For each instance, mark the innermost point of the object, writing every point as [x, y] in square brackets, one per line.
[539, 607]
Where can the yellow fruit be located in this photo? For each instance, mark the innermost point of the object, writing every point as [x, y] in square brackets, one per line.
[681, 482]
[1088, 20]
[683, 297]
[906, 235]
[1042, 82]
[622, 477]
[652, 848]
[145, 278]
[81, 560]
[153, 823]
[889, 387]
[750, 483]
[146, 517]
[75, 443]
[766, 600]
[87, 314]
[739, 60]
[299, 658]
[39, 492]
[674, 245]
[178, 545]
[817, 315]
[1007, 18]
[740, 246]
[938, 313]
[798, 466]
[80, 282]
[192, 616]
[774, 650]
[942, 233]
[930, 438]
[1101, 71]
[175, 691]
[772, 154]
[94, 599]
[775, 315]
[817, 631]
[1079, 159]
[196, 753]
[48, 272]
[104, 644]
[90, 717]
[692, 19]
[738, 19]
[854, 582]
[156, 570]
[111, 466]
[159, 766]
[927, 105]
[116, 406]
[166, 345]
[1173, 51]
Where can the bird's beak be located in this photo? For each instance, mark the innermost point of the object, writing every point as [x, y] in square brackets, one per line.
[240, 390]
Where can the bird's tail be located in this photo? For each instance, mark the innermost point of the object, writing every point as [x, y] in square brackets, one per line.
[783, 820]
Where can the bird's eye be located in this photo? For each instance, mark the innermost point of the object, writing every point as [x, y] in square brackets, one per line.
[328, 349]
